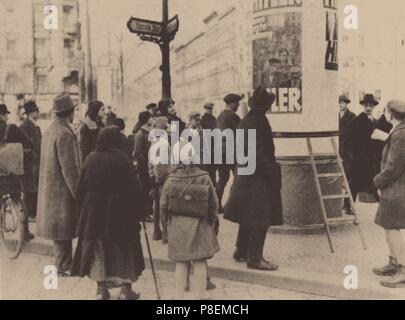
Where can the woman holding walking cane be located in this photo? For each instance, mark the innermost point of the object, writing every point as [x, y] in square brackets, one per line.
[109, 194]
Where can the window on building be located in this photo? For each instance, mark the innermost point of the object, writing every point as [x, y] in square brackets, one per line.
[38, 16]
[9, 7]
[378, 95]
[11, 47]
[42, 83]
[68, 16]
[68, 47]
[40, 48]
[362, 42]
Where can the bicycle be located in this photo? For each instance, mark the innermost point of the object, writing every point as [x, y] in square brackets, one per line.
[12, 218]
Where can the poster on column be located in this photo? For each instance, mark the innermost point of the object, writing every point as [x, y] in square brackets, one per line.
[331, 54]
[277, 57]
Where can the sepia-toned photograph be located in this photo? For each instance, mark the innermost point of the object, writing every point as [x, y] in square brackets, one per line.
[221, 152]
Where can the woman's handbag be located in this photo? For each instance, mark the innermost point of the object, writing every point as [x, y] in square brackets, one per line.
[11, 157]
[191, 200]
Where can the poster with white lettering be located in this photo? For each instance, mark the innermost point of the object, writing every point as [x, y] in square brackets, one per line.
[277, 59]
[331, 55]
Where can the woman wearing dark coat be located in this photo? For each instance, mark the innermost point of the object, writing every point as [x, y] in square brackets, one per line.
[391, 185]
[91, 126]
[141, 156]
[109, 247]
[255, 200]
[126, 143]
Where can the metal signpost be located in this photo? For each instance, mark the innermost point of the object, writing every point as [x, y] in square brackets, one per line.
[161, 33]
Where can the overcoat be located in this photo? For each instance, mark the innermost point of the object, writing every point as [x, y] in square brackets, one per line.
[391, 182]
[88, 136]
[58, 179]
[344, 130]
[189, 238]
[109, 197]
[208, 121]
[255, 200]
[32, 154]
[363, 150]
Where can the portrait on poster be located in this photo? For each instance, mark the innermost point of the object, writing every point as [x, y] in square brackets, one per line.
[277, 58]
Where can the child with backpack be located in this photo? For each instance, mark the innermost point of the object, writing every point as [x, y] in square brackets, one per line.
[189, 205]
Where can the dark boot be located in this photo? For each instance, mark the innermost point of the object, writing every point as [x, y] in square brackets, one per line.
[102, 291]
[239, 257]
[157, 235]
[396, 281]
[388, 270]
[262, 265]
[127, 293]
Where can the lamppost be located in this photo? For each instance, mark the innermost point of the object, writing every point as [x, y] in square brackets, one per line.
[166, 78]
[161, 33]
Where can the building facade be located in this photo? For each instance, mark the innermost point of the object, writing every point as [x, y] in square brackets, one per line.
[207, 67]
[36, 63]
[373, 57]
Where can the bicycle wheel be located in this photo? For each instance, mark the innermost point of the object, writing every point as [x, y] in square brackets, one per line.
[12, 228]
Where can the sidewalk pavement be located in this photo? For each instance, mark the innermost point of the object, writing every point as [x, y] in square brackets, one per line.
[14, 284]
[306, 264]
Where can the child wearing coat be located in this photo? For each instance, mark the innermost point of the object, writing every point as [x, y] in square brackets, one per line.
[189, 205]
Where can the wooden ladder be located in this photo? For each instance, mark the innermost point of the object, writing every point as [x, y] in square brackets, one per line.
[323, 198]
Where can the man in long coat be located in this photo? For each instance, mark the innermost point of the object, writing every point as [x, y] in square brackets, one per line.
[362, 147]
[32, 154]
[346, 118]
[59, 175]
[255, 200]
[228, 119]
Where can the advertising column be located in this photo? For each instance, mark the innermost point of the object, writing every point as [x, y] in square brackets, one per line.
[295, 56]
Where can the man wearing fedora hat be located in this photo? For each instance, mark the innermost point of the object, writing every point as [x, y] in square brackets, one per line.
[32, 154]
[362, 148]
[59, 174]
[346, 118]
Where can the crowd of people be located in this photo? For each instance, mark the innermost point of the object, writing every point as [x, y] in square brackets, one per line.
[373, 154]
[98, 185]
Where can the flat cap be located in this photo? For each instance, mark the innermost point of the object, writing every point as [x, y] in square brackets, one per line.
[194, 115]
[344, 98]
[151, 106]
[397, 106]
[209, 106]
[232, 97]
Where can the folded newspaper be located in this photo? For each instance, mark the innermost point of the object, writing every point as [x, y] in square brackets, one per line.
[379, 135]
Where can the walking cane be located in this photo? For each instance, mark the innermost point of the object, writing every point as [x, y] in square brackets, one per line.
[151, 261]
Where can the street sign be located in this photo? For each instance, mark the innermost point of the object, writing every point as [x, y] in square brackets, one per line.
[145, 27]
[173, 25]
